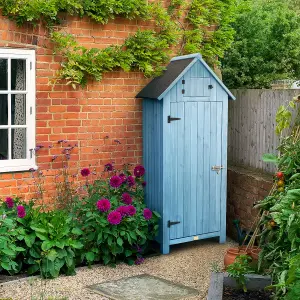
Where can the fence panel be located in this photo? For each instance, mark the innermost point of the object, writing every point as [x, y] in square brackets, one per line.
[252, 126]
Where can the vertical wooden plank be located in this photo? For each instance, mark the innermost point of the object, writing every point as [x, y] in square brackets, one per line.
[173, 94]
[206, 167]
[200, 166]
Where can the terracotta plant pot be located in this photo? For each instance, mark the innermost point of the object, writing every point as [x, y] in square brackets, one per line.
[249, 250]
[255, 253]
[231, 254]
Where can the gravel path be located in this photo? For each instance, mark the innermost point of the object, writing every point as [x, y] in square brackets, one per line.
[188, 264]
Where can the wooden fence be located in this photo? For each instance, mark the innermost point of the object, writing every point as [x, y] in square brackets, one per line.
[252, 126]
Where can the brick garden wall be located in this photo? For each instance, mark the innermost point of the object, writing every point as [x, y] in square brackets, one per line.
[104, 119]
[245, 187]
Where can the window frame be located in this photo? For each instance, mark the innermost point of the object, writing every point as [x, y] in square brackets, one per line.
[15, 165]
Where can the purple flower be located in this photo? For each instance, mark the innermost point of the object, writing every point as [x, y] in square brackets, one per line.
[115, 181]
[144, 183]
[9, 202]
[85, 172]
[108, 167]
[114, 217]
[68, 156]
[21, 211]
[139, 261]
[54, 157]
[126, 198]
[147, 213]
[123, 177]
[139, 171]
[130, 181]
[103, 205]
[131, 210]
[122, 210]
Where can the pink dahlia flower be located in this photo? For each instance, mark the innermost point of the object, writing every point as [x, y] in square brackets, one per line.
[114, 217]
[122, 210]
[85, 172]
[115, 181]
[9, 202]
[130, 181]
[126, 198]
[147, 214]
[139, 171]
[103, 205]
[21, 211]
[131, 210]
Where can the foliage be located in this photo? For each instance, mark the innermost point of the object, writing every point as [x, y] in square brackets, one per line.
[239, 269]
[146, 51]
[266, 45]
[54, 242]
[107, 242]
[280, 221]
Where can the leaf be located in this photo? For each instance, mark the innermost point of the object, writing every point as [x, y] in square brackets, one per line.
[38, 229]
[90, 256]
[9, 252]
[41, 236]
[270, 158]
[119, 241]
[52, 255]
[33, 269]
[6, 266]
[29, 240]
[77, 231]
[128, 253]
[76, 244]
[34, 253]
[46, 245]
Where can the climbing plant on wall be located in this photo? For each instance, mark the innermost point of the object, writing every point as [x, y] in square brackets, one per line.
[206, 28]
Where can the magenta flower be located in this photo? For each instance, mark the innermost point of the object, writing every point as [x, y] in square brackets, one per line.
[147, 213]
[21, 211]
[103, 205]
[9, 202]
[130, 181]
[139, 171]
[139, 261]
[114, 217]
[144, 183]
[123, 177]
[85, 172]
[122, 210]
[108, 167]
[131, 210]
[115, 181]
[126, 198]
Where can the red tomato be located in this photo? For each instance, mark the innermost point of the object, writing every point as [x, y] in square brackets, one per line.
[279, 174]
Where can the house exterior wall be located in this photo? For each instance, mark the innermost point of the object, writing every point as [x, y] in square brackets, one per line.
[104, 119]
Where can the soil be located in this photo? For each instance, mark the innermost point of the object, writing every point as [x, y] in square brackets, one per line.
[233, 294]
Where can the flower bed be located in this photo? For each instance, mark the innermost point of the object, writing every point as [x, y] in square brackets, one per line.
[109, 224]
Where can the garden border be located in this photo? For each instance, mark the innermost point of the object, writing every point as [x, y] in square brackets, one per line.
[218, 280]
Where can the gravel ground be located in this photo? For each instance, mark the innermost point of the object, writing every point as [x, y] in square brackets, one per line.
[188, 264]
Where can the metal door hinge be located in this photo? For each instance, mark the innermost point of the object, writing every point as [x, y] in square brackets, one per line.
[31, 65]
[217, 168]
[170, 119]
[210, 87]
[31, 110]
[170, 223]
[183, 81]
[183, 91]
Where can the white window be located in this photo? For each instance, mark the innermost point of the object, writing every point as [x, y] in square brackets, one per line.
[17, 110]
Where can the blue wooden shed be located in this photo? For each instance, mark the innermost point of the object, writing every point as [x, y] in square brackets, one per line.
[185, 119]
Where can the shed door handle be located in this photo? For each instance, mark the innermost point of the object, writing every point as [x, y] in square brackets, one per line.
[170, 119]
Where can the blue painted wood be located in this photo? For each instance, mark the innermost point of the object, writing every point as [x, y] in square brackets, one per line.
[195, 238]
[179, 156]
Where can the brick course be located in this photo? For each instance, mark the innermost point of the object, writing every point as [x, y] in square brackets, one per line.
[245, 187]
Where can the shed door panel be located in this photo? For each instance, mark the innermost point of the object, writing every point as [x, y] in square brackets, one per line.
[195, 146]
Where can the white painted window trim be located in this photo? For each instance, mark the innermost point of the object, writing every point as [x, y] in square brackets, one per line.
[30, 162]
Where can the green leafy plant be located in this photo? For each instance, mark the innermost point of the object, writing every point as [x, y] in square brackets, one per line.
[239, 269]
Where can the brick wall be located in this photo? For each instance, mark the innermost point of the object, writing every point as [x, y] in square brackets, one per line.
[104, 119]
[245, 187]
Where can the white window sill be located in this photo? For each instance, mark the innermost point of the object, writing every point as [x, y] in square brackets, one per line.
[17, 168]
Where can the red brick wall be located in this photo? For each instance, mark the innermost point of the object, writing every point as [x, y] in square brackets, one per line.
[245, 187]
[104, 119]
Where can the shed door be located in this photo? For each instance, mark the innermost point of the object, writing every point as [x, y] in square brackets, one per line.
[196, 145]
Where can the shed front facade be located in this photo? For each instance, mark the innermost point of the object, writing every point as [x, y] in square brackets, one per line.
[185, 117]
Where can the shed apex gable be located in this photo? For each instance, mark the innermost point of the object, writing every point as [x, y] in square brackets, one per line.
[178, 66]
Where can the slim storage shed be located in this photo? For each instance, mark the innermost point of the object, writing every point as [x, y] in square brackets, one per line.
[185, 119]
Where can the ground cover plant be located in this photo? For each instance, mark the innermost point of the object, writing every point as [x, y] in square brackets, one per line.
[109, 224]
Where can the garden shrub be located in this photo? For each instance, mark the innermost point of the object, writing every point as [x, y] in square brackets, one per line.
[109, 225]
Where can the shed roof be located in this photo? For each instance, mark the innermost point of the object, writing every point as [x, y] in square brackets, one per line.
[159, 86]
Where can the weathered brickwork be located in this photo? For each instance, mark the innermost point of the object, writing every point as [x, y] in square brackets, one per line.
[245, 187]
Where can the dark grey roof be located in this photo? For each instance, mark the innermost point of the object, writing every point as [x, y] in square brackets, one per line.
[158, 85]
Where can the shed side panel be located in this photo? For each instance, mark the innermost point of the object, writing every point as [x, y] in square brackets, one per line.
[152, 153]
